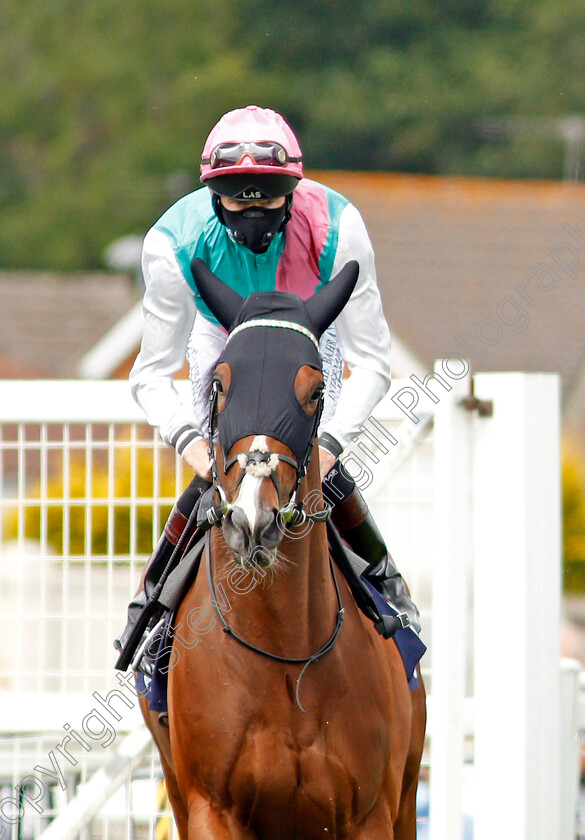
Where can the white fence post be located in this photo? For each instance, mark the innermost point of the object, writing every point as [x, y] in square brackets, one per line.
[453, 548]
[517, 608]
[570, 747]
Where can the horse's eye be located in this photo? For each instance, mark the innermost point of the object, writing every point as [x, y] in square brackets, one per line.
[217, 386]
[316, 395]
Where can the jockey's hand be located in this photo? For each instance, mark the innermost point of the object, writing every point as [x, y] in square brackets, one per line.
[326, 461]
[197, 456]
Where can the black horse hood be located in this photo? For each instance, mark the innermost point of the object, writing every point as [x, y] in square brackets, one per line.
[272, 335]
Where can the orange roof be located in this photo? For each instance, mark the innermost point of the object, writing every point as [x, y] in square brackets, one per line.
[490, 269]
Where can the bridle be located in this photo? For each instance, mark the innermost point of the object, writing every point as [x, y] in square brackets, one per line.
[264, 463]
[292, 514]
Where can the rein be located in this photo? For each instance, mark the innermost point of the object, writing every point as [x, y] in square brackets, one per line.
[305, 660]
[263, 464]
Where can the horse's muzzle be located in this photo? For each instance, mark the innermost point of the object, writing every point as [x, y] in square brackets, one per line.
[244, 538]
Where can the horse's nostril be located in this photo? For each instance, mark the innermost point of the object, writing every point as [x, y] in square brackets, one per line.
[267, 533]
[237, 530]
[239, 520]
[241, 535]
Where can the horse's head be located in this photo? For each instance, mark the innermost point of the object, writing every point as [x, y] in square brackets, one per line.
[267, 398]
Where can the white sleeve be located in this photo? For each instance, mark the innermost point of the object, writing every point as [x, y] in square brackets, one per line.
[204, 348]
[169, 313]
[362, 333]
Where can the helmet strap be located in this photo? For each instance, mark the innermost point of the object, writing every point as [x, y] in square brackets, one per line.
[287, 212]
[217, 207]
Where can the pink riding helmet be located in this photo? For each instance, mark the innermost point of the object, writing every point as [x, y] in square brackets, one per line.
[249, 142]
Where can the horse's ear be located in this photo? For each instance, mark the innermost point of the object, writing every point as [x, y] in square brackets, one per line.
[326, 304]
[223, 302]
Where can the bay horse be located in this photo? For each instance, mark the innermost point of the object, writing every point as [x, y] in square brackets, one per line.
[289, 717]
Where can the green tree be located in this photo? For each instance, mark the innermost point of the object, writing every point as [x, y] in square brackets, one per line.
[106, 105]
[108, 101]
[574, 518]
[406, 86]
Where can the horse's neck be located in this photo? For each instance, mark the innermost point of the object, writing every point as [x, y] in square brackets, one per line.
[306, 571]
[290, 609]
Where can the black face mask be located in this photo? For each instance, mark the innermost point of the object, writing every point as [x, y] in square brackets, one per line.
[254, 227]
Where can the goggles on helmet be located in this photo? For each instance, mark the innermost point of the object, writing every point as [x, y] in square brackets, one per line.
[263, 154]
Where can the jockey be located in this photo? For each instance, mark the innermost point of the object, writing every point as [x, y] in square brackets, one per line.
[259, 225]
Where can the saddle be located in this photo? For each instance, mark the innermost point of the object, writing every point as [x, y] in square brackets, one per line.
[374, 606]
[369, 601]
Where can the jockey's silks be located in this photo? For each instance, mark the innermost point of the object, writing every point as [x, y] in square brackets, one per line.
[298, 260]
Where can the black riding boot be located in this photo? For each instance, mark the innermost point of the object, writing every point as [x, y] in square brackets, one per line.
[352, 518]
[158, 560]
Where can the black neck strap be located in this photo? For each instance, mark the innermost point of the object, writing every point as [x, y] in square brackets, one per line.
[304, 660]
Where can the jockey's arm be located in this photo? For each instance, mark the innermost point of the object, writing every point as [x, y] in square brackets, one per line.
[169, 313]
[363, 336]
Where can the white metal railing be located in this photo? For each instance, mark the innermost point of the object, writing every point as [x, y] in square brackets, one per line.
[85, 488]
[84, 491]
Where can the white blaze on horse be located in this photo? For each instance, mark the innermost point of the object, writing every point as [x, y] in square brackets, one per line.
[291, 718]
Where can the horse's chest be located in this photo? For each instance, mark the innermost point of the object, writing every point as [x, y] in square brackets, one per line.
[286, 774]
[322, 775]
[308, 778]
